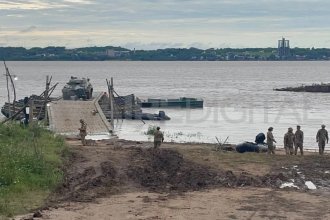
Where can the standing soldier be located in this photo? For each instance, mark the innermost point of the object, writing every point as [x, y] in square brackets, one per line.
[270, 141]
[299, 140]
[289, 141]
[321, 138]
[83, 131]
[158, 138]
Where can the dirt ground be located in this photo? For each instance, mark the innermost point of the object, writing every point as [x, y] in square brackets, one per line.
[118, 179]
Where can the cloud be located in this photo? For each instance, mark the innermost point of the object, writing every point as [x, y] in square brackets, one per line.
[39, 4]
[151, 23]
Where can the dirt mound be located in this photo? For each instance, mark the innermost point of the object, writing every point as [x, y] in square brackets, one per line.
[165, 170]
[160, 170]
[92, 182]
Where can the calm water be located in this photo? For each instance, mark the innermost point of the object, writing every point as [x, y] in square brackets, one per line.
[239, 96]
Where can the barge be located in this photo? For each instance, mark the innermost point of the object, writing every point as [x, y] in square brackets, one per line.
[182, 102]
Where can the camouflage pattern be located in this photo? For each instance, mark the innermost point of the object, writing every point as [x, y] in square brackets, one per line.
[270, 143]
[288, 142]
[299, 140]
[158, 138]
[83, 132]
[322, 138]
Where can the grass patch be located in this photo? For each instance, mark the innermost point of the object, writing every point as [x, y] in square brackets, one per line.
[30, 167]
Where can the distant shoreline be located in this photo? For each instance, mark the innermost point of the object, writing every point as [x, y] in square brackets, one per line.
[110, 53]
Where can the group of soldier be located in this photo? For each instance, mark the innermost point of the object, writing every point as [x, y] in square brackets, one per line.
[293, 141]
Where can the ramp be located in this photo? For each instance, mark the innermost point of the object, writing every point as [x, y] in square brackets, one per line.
[64, 116]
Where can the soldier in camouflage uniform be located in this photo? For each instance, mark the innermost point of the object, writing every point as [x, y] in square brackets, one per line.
[83, 132]
[298, 140]
[158, 138]
[270, 141]
[289, 141]
[321, 138]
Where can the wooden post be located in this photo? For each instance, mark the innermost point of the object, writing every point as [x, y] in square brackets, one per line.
[46, 99]
[8, 76]
[110, 91]
[8, 96]
[111, 103]
[31, 110]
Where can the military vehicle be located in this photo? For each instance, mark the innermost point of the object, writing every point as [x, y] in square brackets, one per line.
[77, 88]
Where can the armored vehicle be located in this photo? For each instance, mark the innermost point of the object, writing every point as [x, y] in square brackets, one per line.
[77, 88]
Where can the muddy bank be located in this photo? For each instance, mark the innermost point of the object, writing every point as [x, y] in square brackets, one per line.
[118, 169]
[115, 168]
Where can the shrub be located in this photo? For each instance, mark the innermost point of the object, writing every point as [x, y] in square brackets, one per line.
[30, 161]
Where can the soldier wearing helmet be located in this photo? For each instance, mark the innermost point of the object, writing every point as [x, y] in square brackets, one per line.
[289, 141]
[83, 131]
[298, 141]
[158, 138]
[321, 138]
[270, 141]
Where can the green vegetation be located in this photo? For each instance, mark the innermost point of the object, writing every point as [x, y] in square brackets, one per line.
[168, 54]
[30, 167]
[151, 130]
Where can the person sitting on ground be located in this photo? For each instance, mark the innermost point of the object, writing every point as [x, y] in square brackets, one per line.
[158, 138]
[83, 131]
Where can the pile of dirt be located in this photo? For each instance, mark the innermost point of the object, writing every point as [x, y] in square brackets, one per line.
[91, 183]
[166, 170]
[160, 170]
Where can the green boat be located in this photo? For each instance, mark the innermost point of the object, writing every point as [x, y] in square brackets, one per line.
[182, 102]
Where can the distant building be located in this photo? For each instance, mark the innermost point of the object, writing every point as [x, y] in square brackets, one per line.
[283, 49]
[110, 53]
[114, 53]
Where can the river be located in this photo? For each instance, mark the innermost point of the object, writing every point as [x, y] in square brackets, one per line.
[238, 96]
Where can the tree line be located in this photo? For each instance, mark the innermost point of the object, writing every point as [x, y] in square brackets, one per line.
[168, 54]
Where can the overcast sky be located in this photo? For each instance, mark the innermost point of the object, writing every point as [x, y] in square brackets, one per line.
[150, 24]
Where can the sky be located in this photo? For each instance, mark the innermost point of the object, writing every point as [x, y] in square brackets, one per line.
[156, 24]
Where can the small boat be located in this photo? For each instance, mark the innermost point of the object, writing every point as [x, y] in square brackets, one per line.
[251, 147]
[182, 102]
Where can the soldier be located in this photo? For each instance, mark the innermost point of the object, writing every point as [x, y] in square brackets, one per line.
[83, 131]
[158, 138]
[270, 141]
[299, 140]
[289, 141]
[321, 137]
